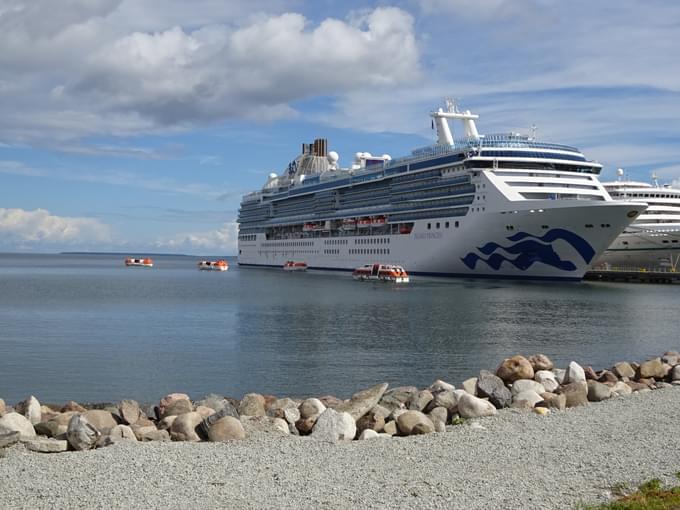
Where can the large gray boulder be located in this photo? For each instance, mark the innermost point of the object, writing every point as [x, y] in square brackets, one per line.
[440, 385]
[14, 422]
[576, 393]
[363, 401]
[252, 404]
[523, 385]
[334, 426]
[129, 411]
[46, 445]
[30, 408]
[470, 406]
[574, 373]
[493, 387]
[547, 379]
[81, 434]
[598, 391]
[396, 398]
[311, 407]
[531, 397]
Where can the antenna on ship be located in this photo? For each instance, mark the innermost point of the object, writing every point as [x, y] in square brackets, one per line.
[655, 180]
[533, 132]
[441, 116]
[620, 172]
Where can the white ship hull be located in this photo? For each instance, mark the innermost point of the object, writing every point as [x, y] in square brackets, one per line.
[481, 246]
[648, 249]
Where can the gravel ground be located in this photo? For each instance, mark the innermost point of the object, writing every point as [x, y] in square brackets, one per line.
[517, 460]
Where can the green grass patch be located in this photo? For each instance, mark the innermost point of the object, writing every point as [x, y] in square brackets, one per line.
[650, 495]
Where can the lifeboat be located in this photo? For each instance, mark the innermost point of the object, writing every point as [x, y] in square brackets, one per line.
[131, 262]
[213, 265]
[308, 227]
[378, 221]
[381, 272]
[405, 229]
[364, 222]
[291, 265]
[349, 224]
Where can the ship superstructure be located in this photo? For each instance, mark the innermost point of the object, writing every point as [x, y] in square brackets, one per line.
[652, 241]
[501, 205]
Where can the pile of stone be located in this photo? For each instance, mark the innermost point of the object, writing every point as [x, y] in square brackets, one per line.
[531, 383]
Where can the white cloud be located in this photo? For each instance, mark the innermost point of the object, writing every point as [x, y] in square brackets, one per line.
[222, 240]
[38, 228]
[91, 70]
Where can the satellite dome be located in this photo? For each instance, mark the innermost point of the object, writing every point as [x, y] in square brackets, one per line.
[273, 175]
[333, 157]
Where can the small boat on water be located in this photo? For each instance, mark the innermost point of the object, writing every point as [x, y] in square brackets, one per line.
[132, 262]
[213, 265]
[381, 272]
[291, 265]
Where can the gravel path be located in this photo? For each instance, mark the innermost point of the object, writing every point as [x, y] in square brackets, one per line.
[518, 460]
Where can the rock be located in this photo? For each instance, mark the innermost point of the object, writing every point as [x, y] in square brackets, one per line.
[675, 375]
[3, 408]
[446, 399]
[623, 369]
[408, 421]
[305, 425]
[396, 398]
[607, 377]
[44, 445]
[530, 396]
[9, 438]
[227, 428]
[129, 411]
[368, 434]
[512, 369]
[671, 358]
[334, 426]
[14, 422]
[72, 406]
[55, 426]
[177, 407]
[590, 373]
[470, 385]
[154, 435]
[284, 408]
[311, 407]
[523, 385]
[123, 432]
[653, 369]
[252, 404]
[264, 424]
[489, 385]
[553, 401]
[370, 421]
[102, 420]
[542, 411]
[576, 393]
[81, 434]
[330, 401]
[598, 391]
[439, 416]
[30, 408]
[203, 428]
[167, 422]
[473, 407]
[637, 386]
[420, 400]
[391, 428]
[547, 379]
[217, 403]
[541, 362]
[380, 410]
[169, 399]
[560, 374]
[621, 389]
[440, 385]
[574, 373]
[363, 401]
[204, 411]
[183, 428]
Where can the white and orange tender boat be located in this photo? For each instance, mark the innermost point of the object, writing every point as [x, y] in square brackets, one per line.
[213, 265]
[131, 262]
[381, 272]
[291, 265]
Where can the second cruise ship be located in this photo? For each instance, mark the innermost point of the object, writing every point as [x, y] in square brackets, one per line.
[497, 205]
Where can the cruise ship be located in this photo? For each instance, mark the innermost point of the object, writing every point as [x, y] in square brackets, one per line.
[652, 241]
[496, 205]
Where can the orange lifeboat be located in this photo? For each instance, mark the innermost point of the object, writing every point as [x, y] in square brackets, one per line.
[378, 221]
[133, 262]
[214, 265]
[291, 265]
[364, 222]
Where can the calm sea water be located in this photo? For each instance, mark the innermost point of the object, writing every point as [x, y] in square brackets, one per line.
[84, 327]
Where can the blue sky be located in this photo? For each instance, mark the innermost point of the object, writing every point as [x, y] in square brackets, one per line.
[136, 125]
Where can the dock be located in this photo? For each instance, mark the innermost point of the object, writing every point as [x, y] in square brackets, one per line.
[633, 275]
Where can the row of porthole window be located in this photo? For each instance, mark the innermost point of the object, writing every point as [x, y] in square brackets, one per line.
[246, 237]
[335, 241]
[283, 244]
[376, 240]
[332, 251]
[602, 225]
[439, 225]
[369, 251]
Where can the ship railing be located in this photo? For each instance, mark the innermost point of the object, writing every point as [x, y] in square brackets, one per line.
[634, 269]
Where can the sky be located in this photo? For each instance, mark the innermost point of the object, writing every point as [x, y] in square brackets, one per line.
[136, 125]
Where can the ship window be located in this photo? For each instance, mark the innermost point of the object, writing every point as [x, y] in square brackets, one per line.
[589, 225]
[665, 241]
[429, 226]
[544, 227]
[446, 224]
[456, 224]
[438, 224]
[625, 242]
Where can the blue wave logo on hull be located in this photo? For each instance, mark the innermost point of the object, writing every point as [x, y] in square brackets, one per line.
[531, 249]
